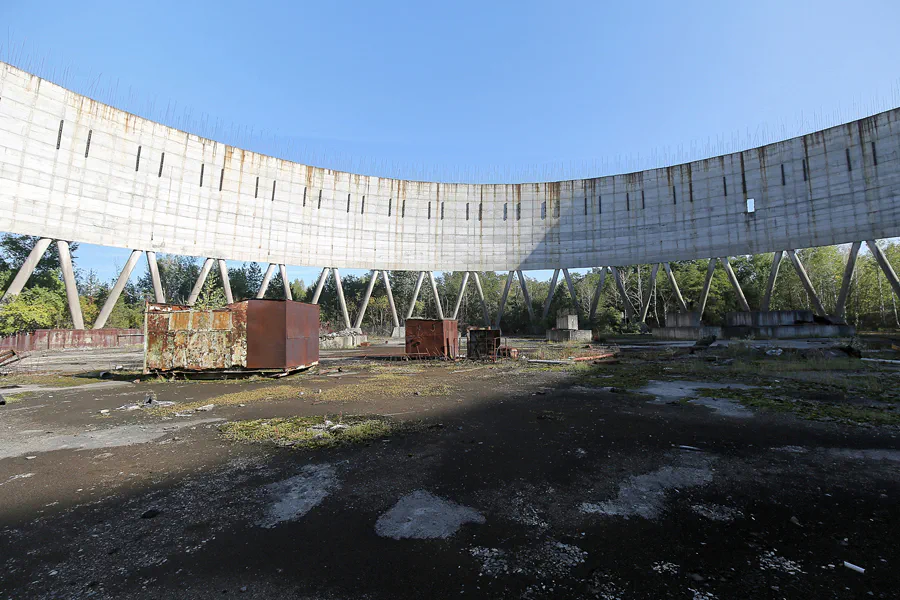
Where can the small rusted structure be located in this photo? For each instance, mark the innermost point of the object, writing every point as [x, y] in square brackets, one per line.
[483, 343]
[249, 335]
[432, 338]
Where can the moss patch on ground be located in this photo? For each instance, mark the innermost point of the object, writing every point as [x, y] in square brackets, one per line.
[260, 394]
[47, 380]
[383, 385]
[812, 385]
[311, 432]
[778, 401]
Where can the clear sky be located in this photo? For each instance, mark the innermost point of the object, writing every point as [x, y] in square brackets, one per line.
[476, 90]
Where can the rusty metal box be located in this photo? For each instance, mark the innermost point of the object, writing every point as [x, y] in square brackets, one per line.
[483, 343]
[252, 334]
[432, 338]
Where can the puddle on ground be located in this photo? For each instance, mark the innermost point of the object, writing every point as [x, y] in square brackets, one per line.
[724, 407]
[672, 391]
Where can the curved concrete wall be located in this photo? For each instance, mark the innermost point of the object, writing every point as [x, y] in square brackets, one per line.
[74, 169]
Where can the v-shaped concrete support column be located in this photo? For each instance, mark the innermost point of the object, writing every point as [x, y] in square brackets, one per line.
[807, 284]
[596, 299]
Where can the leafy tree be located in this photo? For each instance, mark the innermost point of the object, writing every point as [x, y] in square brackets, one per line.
[34, 308]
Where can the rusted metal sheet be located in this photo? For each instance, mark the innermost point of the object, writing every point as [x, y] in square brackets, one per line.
[253, 334]
[483, 343]
[432, 338]
[58, 339]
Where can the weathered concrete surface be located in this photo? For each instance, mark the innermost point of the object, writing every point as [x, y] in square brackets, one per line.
[568, 335]
[838, 185]
[751, 504]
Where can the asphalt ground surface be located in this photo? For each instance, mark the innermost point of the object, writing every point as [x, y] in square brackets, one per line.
[516, 483]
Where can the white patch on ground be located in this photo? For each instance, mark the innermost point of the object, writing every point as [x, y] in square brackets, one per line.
[493, 560]
[725, 407]
[605, 589]
[717, 512]
[667, 568]
[701, 595]
[296, 496]
[19, 476]
[422, 516]
[644, 495]
[124, 435]
[868, 454]
[522, 511]
[672, 391]
[792, 449]
[546, 560]
[769, 561]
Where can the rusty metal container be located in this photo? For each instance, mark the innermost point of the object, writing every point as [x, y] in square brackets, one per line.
[483, 343]
[247, 335]
[438, 338]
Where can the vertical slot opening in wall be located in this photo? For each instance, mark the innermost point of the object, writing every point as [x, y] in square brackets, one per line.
[362, 206]
[725, 184]
[805, 175]
[480, 210]
[137, 161]
[585, 206]
[348, 203]
[691, 190]
[429, 211]
[59, 135]
[202, 167]
[256, 191]
[751, 205]
[221, 178]
[643, 201]
[442, 211]
[403, 209]
[273, 189]
[87, 146]
[743, 182]
[304, 197]
[674, 196]
[504, 211]
[783, 180]
[874, 154]
[162, 160]
[627, 201]
[599, 204]
[544, 209]
[467, 211]
[518, 211]
[319, 205]
[390, 205]
[849, 164]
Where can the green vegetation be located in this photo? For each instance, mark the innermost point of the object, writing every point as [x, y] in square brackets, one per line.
[259, 394]
[871, 304]
[311, 432]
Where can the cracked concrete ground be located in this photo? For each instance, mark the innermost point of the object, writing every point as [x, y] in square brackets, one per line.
[614, 497]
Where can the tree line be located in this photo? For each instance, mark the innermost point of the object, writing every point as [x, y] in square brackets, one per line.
[872, 305]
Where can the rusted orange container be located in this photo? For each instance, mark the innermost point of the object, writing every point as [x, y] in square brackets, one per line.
[247, 335]
[438, 338]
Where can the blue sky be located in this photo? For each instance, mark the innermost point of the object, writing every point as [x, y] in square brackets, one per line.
[475, 90]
